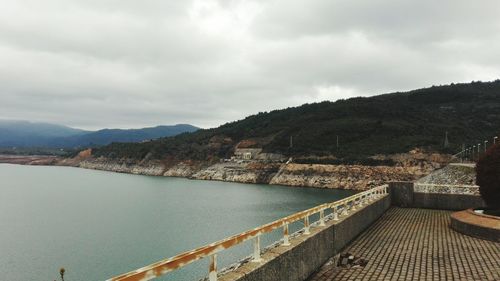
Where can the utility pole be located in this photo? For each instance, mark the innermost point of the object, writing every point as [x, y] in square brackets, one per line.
[291, 141]
[446, 143]
[337, 142]
[462, 154]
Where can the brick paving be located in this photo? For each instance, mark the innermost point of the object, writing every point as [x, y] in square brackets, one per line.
[417, 244]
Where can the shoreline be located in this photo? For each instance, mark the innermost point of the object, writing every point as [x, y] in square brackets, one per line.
[33, 160]
[180, 177]
[349, 177]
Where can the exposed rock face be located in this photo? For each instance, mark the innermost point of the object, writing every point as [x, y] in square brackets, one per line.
[150, 168]
[409, 168]
[227, 172]
[75, 161]
[85, 153]
[418, 158]
[246, 172]
[183, 169]
[344, 176]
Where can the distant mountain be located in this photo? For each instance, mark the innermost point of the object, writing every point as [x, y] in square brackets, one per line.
[25, 133]
[32, 134]
[384, 124]
[107, 136]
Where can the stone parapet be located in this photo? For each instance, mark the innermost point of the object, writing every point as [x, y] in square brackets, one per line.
[404, 194]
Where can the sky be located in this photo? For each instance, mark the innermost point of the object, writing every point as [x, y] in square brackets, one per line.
[93, 64]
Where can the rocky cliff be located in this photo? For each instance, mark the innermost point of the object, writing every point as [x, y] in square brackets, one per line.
[409, 167]
[354, 177]
[246, 172]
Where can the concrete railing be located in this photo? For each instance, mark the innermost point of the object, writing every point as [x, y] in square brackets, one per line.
[446, 188]
[432, 196]
[338, 208]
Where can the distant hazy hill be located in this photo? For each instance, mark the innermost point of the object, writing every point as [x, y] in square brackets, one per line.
[389, 123]
[25, 133]
[107, 136]
[31, 134]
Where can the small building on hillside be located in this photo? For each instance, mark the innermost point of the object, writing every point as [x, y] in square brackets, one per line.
[247, 153]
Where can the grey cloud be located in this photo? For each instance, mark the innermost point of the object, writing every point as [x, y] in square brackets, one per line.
[403, 19]
[126, 63]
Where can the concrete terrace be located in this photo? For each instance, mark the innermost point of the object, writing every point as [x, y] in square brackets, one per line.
[395, 232]
[416, 244]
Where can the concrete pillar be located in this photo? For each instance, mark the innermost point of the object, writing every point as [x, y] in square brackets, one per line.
[401, 194]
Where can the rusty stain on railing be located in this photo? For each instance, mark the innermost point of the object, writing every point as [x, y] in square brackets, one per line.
[167, 265]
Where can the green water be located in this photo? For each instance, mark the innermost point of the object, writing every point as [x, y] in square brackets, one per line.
[100, 224]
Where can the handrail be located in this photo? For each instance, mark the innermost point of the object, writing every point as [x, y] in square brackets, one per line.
[447, 188]
[167, 265]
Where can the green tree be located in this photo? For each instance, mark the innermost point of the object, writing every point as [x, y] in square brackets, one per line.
[488, 177]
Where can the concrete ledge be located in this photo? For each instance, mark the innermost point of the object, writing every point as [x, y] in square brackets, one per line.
[403, 195]
[477, 225]
[307, 253]
[447, 201]
[294, 262]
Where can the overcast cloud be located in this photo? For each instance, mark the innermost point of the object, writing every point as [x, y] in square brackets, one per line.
[130, 63]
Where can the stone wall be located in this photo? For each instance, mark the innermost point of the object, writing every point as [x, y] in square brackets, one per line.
[454, 202]
[404, 195]
[447, 189]
[401, 194]
[452, 174]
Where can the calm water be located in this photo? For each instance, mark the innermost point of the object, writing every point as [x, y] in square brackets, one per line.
[100, 224]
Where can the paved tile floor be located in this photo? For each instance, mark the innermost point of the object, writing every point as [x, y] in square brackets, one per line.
[417, 244]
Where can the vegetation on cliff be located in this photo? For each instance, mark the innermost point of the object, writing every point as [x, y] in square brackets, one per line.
[384, 124]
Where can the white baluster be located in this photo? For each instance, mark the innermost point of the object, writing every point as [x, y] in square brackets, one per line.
[212, 271]
[256, 249]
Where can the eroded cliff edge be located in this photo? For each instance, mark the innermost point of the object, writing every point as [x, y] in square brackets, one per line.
[407, 167]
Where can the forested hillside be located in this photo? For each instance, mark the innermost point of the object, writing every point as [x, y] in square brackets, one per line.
[107, 136]
[384, 124]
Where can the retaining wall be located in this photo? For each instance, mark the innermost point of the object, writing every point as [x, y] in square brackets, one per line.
[403, 195]
[307, 253]
[477, 225]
